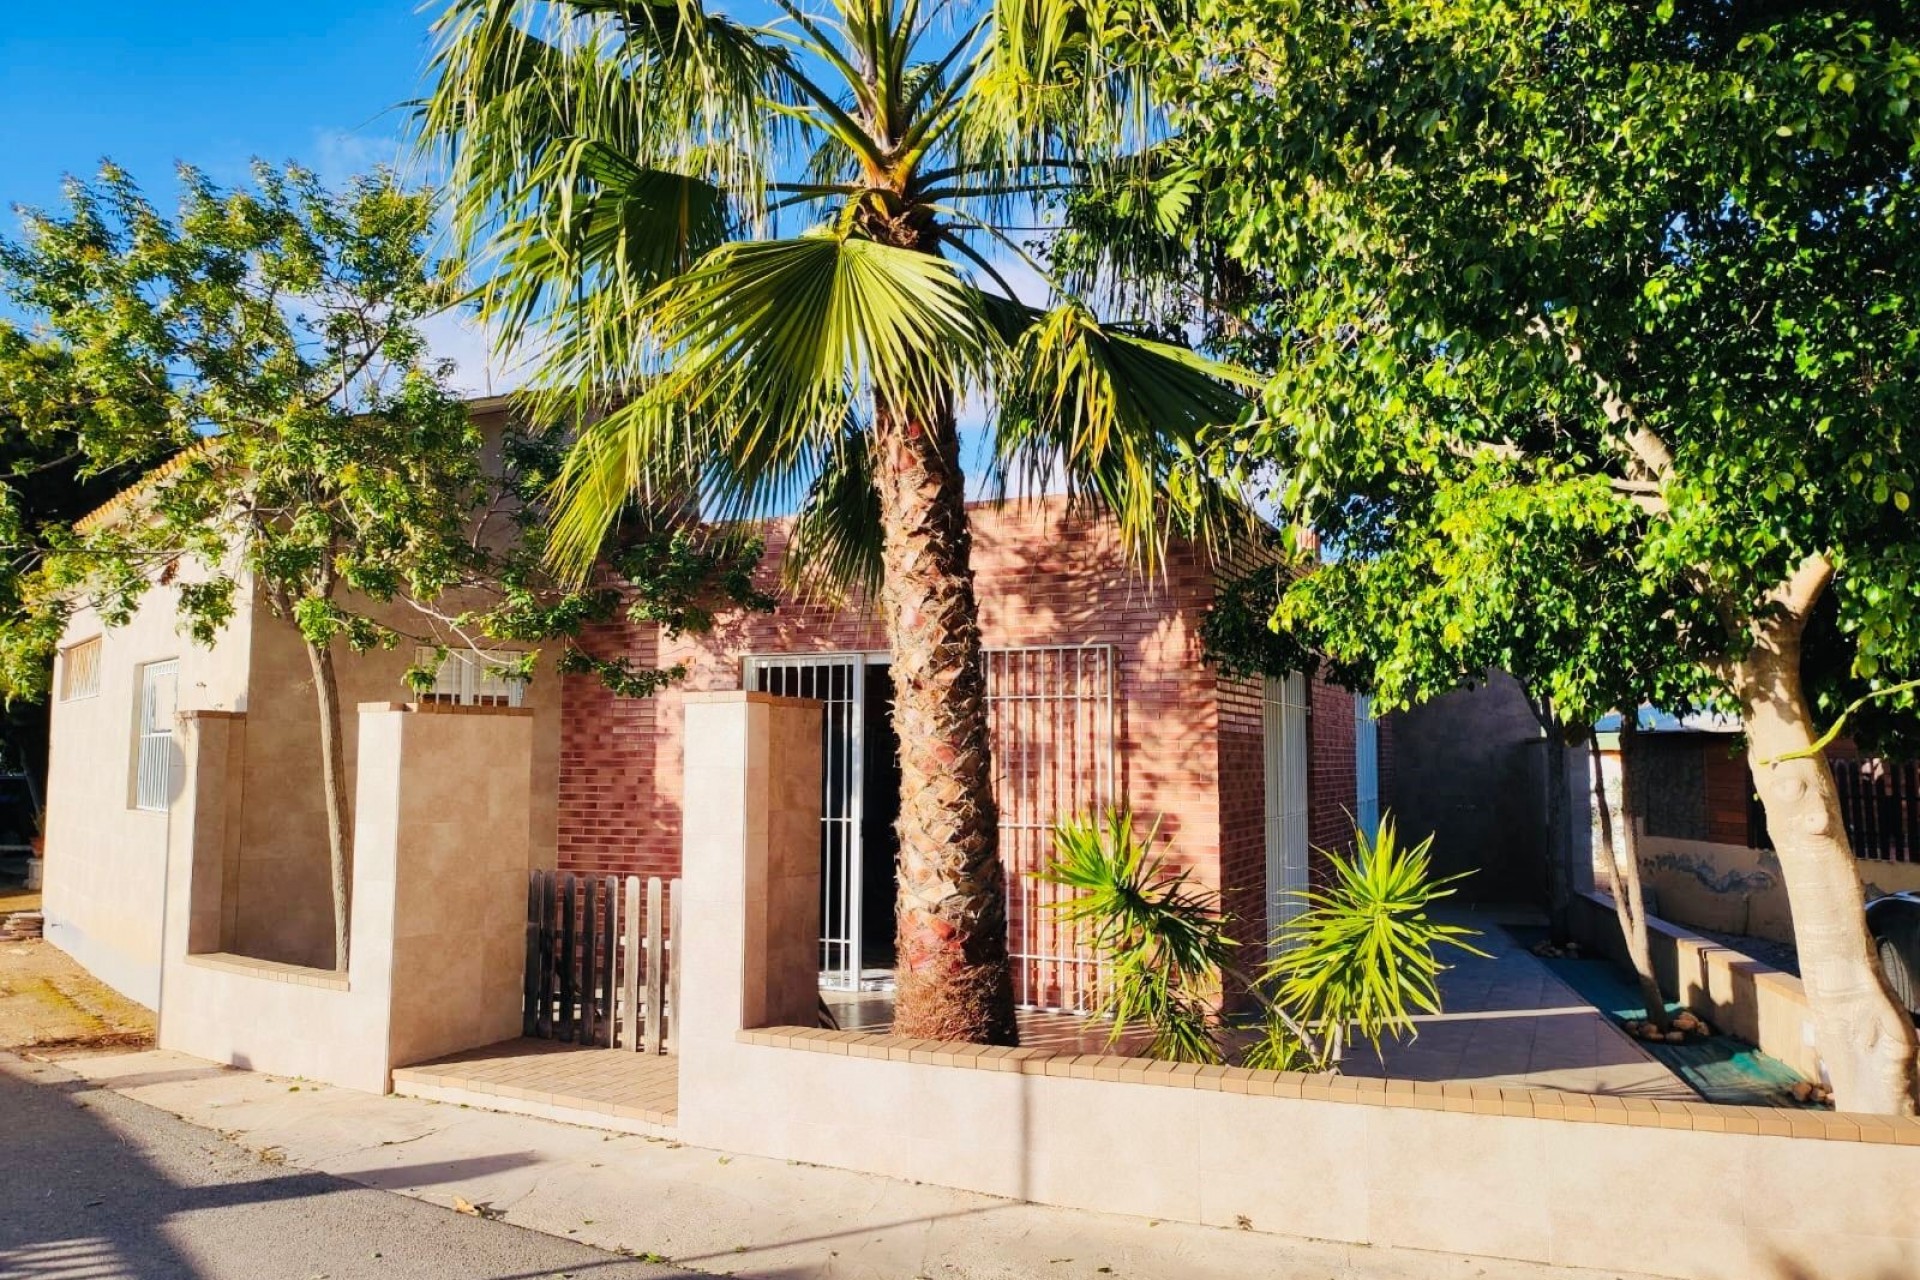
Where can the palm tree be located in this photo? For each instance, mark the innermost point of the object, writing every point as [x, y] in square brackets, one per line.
[758, 263]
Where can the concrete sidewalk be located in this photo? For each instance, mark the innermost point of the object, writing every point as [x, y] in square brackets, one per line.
[736, 1215]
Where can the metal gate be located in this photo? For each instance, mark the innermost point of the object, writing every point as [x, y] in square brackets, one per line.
[1284, 723]
[838, 681]
[1052, 720]
[1051, 711]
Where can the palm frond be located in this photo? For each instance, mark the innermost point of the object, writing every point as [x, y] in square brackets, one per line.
[1122, 419]
[834, 546]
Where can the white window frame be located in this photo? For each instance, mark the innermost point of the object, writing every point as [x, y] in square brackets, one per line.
[472, 678]
[156, 701]
[80, 670]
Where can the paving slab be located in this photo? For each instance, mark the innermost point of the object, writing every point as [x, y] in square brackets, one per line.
[1508, 1020]
[735, 1215]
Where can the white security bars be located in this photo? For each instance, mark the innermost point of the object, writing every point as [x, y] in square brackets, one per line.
[1051, 710]
[153, 747]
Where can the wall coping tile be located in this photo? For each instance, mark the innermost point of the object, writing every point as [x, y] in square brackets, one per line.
[1504, 1101]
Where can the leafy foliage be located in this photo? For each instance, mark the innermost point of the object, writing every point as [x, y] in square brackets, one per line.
[765, 234]
[1362, 955]
[1359, 958]
[1163, 939]
[267, 341]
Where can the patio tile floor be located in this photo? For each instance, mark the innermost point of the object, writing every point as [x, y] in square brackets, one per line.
[582, 1084]
[1509, 1021]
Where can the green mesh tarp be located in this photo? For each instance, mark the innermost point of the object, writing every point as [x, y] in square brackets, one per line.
[1720, 1068]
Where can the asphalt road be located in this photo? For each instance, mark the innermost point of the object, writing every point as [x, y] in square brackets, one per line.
[94, 1186]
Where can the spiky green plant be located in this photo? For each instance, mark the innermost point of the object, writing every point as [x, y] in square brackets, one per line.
[1361, 957]
[1162, 940]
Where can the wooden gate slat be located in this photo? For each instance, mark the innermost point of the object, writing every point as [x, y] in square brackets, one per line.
[549, 977]
[656, 992]
[672, 958]
[530, 976]
[589, 974]
[631, 976]
[609, 931]
[567, 1012]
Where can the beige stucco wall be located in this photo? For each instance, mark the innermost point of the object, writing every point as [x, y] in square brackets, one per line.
[106, 860]
[439, 889]
[1547, 1177]
[283, 900]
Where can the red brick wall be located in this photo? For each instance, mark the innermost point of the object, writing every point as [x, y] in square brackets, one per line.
[1243, 840]
[1042, 577]
[1189, 739]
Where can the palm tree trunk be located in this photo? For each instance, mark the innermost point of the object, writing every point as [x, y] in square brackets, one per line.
[951, 960]
[1866, 1040]
[333, 781]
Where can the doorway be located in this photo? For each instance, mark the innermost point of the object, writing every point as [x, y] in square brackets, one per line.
[860, 804]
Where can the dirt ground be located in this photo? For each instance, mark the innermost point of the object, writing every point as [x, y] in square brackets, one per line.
[49, 1004]
[14, 898]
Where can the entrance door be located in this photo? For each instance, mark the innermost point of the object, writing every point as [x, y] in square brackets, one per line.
[1284, 722]
[856, 890]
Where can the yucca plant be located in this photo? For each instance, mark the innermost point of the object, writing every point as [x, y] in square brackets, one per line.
[1362, 956]
[764, 262]
[1162, 940]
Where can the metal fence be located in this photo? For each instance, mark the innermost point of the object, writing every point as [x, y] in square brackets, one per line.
[599, 966]
[1879, 802]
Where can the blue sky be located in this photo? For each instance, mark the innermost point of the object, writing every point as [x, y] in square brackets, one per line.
[215, 83]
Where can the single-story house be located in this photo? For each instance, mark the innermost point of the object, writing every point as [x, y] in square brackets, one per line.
[1098, 690]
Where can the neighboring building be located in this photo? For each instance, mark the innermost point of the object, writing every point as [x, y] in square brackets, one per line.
[113, 776]
[1706, 857]
[1098, 693]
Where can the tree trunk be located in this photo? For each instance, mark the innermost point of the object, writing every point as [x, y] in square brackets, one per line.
[951, 965]
[1623, 858]
[333, 781]
[1866, 1040]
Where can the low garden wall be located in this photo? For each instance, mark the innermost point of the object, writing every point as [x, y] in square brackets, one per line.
[1736, 889]
[1731, 990]
[438, 906]
[1679, 1189]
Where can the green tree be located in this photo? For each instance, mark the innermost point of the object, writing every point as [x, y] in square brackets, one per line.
[1593, 356]
[268, 342]
[44, 485]
[628, 168]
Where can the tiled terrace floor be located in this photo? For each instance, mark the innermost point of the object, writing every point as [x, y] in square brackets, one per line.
[608, 1088]
[1509, 1021]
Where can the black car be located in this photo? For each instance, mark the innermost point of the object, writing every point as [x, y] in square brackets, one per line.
[1894, 922]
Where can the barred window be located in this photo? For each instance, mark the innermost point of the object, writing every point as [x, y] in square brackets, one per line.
[153, 744]
[80, 670]
[471, 678]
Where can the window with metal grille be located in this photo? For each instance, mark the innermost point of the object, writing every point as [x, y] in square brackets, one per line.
[474, 678]
[80, 670]
[153, 743]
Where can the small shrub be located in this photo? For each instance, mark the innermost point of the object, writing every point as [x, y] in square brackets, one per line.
[1362, 956]
[1163, 940]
